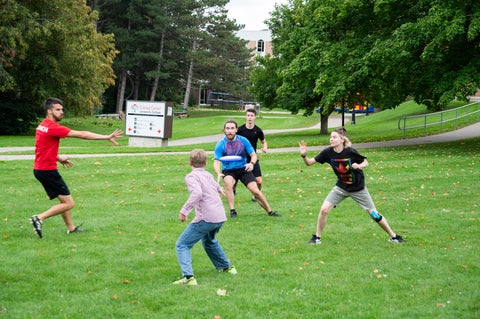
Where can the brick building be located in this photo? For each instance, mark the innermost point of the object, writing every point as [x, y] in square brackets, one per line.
[259, 41]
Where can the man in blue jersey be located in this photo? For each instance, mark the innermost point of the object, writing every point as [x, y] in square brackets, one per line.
[236, 145]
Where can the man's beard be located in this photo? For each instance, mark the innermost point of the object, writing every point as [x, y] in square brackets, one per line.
[58, 119]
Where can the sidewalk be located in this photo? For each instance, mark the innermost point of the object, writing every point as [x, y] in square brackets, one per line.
[467, 132]
[464, 133]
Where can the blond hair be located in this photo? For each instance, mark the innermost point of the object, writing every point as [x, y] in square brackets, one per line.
[343, 134]
[198, 158]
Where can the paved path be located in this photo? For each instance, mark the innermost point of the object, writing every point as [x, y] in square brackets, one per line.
[467, 132]
[332, 122]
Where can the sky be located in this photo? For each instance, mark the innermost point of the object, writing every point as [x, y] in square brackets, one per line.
[252, 13]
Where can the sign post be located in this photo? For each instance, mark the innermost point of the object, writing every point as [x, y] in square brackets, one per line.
[148, 123]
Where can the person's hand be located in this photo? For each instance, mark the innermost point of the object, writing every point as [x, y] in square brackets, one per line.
[65, 161]
[303, 148]
[356, 166]
[264, 149]
[182, 217]
[219, 177]
[249, 167]
[116, 134]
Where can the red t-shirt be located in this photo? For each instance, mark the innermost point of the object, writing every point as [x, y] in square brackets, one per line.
[47, 143]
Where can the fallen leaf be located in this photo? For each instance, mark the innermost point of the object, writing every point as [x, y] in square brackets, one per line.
[221, 292]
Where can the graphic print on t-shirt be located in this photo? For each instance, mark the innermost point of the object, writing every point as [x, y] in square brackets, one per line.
[343, 169]
[234, 148]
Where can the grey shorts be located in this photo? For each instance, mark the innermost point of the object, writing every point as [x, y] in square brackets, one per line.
[361, 197]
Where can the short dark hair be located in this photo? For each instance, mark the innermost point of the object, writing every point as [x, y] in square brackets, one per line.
[230, 121]
[50, 102]
[251, 110]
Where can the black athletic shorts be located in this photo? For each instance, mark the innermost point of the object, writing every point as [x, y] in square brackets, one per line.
[241, 175]
[52, 182]
[257, 172]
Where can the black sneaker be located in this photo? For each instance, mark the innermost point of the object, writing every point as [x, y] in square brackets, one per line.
[273, 214]
[37, 225]
[397, 239]
[233, 213]
[315, 240]
[254, 199]
[76, 230]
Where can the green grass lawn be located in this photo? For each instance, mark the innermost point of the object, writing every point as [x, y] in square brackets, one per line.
[124, 265]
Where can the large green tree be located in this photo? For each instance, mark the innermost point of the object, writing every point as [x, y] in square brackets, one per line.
[167, 46]
[330, 51]
[51, 48]
[433, 55]
[146, 34]
[217, 58]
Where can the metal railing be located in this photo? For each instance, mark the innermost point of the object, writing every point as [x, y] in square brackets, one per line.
[465, 112]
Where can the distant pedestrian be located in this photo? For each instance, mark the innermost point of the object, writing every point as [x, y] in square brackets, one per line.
[254, 133]
[348, 165]
[209, 218]
[235, 145]
[47, 143]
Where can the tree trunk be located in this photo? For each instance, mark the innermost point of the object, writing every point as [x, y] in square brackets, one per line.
[121, 91]
[323, 124]
[158, 68]
[136, 86]
[189, 79]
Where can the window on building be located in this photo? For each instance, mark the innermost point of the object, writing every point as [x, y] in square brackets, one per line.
[260, 46]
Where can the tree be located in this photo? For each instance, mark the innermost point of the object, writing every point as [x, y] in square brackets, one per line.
[166, 46]
[330, 51]
[433, 55]
[217, 57]
[59, 54]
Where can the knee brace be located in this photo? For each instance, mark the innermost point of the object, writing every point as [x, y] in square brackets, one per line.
[375, 216]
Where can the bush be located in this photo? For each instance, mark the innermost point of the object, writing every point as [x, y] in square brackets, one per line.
[18, 117]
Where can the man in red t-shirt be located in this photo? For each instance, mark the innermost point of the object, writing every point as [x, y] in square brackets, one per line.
[47, 143]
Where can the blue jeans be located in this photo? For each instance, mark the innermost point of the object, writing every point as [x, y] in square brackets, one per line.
[206, 233]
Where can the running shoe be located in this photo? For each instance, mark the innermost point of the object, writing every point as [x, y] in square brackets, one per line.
[397, 239]
[186, 282]
[274, 214]
[37, 225]
[76, 230]
[315, 240]
[231, 270]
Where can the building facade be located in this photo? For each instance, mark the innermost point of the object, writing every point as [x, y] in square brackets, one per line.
[259, 41]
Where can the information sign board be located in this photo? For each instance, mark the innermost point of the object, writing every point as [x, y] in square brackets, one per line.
[145, 118]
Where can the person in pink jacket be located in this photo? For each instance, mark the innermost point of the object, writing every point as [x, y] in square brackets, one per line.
[209, 218]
